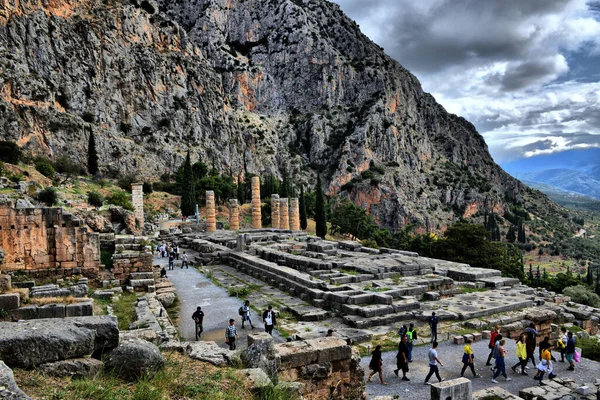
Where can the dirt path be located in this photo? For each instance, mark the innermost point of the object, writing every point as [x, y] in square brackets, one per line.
[194, 289]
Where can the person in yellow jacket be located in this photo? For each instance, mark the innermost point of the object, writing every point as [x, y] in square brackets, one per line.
[521, 355]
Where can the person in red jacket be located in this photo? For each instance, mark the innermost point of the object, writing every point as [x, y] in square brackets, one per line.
[492, 343]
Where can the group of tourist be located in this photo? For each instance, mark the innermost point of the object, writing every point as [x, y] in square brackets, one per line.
[269, 321]
[525, 349]
[171, 250]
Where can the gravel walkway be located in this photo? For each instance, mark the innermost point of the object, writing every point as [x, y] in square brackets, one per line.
[451, 355]
[194, 289]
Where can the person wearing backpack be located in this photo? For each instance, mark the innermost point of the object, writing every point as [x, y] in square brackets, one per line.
[402, 331]
[245, 309]
[411, 334]
[492, 343]
[530, 343]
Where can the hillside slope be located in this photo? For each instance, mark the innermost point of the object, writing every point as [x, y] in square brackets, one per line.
[259, 86]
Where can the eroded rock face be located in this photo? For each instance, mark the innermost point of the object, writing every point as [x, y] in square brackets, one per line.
[8, 387]
[135, 358]
[258, 86]
[30, 343]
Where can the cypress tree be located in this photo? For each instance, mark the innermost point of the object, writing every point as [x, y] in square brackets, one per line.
[511, 236]
[188, 190]
[92, 156]
[320, 218]
[284, 189]
[302, 201]
[589, 279]
[241, 191]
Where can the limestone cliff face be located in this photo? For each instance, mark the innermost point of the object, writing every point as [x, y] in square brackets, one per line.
[254, 85]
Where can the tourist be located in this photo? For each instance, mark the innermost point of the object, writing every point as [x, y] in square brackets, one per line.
[433, 323]
[521, 355]
[176, 250]
[269, 320]
[497, 340]
[433, 363]
[530, 342]
[171, 262]
[492, 343]
[163, 272]
[198, 317]
[411, 333]
[376, 365]
[500, 364]
[184, 261]
[562, 343]
[329, 333]
[246, 314]
[570, 351]
[545, 365]
[545, 344]
[402, 358]
[467, 360]
[402, 331]
[230, 334]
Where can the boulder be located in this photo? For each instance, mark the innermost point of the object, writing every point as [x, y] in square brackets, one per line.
[166, 298]
[148, 335]
[208, 352]
[31, 343]
[260, 350]
[134, 359]
[5, 282]
[76, 368]
[257, 378]
[8, 387]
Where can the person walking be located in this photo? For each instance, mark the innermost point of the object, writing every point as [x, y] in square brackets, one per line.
[545, 344]
[246, 314]
[570, 350]
[402, 358]
[545, 365]
[231, 334]
[376, 365]
[467, 359]
[433, 363]
[500, 364]
[198, 317]
[495, 332]
[562, 343]
[530, 342]
[411, 333]
[269, 320]
[433, 324]
[184, 260]
[495, 351]
[521, 355]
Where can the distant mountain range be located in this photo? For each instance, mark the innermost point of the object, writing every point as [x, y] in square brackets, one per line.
[575, 171]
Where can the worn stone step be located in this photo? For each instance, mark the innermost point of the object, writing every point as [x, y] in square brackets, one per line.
[357, 321]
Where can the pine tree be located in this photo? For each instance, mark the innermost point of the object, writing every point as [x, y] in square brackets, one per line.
[320, 217]
[188, 190]
[302, 205]
[92, 157]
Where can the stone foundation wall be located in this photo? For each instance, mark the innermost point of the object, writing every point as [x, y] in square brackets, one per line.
[124, 264]
[43, 241]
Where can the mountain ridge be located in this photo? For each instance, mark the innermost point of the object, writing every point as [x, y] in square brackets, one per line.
[260, 86]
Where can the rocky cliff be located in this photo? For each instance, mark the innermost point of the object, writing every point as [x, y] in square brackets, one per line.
[258, 86]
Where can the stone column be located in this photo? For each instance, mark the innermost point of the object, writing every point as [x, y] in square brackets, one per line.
[284, 216]
[275, 211]
[256, 217]
[294, 214]
[234, 215]
[137, 200]
[211, 222]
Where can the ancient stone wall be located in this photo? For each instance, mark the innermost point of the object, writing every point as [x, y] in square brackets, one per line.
[38, 240]
[137, 199]
[126, 263]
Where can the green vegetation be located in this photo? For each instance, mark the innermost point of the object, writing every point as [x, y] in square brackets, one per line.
[590, 348]
[582, 294]
[10, 152]
[92, 155]
[48, 196]
[465, 290]
[320, 216]
[95, 199]
[121, 199]
[45, 168]
[124, 310]
[302, 205]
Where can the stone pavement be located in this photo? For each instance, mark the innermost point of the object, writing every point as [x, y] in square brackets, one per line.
[450, 355]
[194, 289]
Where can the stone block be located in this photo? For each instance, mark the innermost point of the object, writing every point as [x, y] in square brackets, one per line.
[584, 390]
[486, 335]
[24, 285]
[142, 275]
[431, 296]
[24, 313]
[477, 337]
[468, 336]
[458, 340]
[51, 311]
[5, 283]
[103, 294]
[76, 368]
[83, 309]
[455, 389]
[9, 301]
[141, 282]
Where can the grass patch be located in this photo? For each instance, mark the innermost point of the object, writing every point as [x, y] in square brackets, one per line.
[237, 291]
[124, 310]
[466, 290]
[173, 311]
[181, 378]
[349, 272]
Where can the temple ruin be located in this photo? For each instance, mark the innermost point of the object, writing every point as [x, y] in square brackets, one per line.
[256, 216]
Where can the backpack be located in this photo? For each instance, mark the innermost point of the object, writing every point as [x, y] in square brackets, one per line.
[241, 310]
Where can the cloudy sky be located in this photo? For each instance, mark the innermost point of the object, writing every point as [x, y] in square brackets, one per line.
[525, 72]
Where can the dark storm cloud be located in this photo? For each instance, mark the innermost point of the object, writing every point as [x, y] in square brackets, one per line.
[524, 74]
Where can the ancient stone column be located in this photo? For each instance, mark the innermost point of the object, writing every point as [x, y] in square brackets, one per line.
[284, 216]
[256, 217]
[137, 200]
[275, 211]
[294, 214]
[211, 222]
[234, 215]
